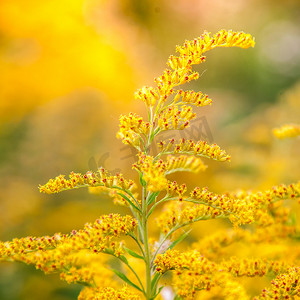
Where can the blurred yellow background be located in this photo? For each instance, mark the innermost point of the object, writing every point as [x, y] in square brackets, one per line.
[69, 68]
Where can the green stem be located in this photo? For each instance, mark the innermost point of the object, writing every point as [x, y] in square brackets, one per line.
[166, 198]
[146, 244]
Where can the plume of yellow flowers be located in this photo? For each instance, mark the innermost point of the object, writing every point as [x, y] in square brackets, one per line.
[195, 272]
[73, 255]
[107, 293]
[209, 266]
[189, 147]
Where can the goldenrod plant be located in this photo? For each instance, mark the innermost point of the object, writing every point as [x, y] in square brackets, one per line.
[207, 269]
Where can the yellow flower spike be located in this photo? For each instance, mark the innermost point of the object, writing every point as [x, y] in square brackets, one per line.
[75, 255]
[287, 131]
[153, 173]
[253, 267]
[184, 163]
[107, 293]
[132, 128]
[264, 198]
[240, 211]
[174, 260]
[189, 147]
[175, 118]
[194, 49]
[96, 237]
[90, 179]
[174, 189]
[192, 53]
[184, 213]
[148, 95]
[284, 286]
[194, 272]
[191, 97]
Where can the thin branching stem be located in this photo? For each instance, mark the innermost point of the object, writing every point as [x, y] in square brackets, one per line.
[137, 242]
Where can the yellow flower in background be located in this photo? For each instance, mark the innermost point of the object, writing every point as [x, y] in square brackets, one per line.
[50, 49]
[287, 131]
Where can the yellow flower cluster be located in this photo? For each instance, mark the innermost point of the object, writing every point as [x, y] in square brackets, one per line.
[107, 293]
[264, 198]
[190, 147]
[174, 118]
[169, 80]
[207, 286]
[287, 131]
[252, 267]
[132, 128]
[88, 267]
[179, 261]
[284, 286]
[30, 244]
[194, 272]
[215, 246]
[191, 53]
[182, 213]
[184, 163]
[154, 172]
[90, 179]
[149, 95]
[245, 207]
[240, 211]
[209, 206]
[63, 252]
[173, 189]
[191, 97]
[263, 208]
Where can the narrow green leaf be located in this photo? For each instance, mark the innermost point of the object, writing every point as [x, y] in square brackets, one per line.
[123, 259]
[152, 136]
[129, 201]
[142, 142]
[156, 131]
[108, 251]
[182, 237]
[154, 280]
[152, 197]
[158, 292]
[141, 235]
[134, 254]
[154, 283]
[84, 283]
[124, 278]
[142, 181]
